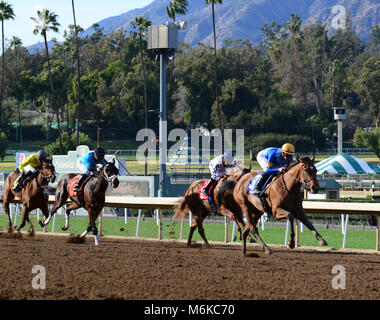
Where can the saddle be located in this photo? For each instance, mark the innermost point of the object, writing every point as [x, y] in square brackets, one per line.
[72, 184]
[208, 197]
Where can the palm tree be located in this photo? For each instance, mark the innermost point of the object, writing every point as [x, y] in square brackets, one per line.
[15, 44]
[78, 69]
[6, 13]
[47, 21]
[176, 7]
[142, 24]
[213, 3]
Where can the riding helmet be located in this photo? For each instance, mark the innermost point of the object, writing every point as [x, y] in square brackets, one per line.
[228, 156]
[100, 152]
[288, 148]
[41, 155]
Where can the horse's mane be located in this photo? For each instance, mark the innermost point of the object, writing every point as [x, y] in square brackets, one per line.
[229, 184]
[305, 159]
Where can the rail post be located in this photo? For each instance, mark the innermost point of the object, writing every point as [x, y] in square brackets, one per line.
[297, 233]
[377, 233]
[159, 214]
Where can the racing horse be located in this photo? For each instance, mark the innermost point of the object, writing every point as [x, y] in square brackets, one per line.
[284, 197]
[34, 195]
[92, 197]
[222, 196]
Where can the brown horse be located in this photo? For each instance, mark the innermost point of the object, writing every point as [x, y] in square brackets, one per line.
[284, 197]
[33, 195]
[200, 209]
[92, 197]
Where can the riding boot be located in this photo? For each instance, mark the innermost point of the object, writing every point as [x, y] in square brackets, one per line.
[79, 183]
[206, 190]
[259, 186]
[22, 180]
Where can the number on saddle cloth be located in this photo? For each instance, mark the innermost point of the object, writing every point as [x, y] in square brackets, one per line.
[252, 184]
[17, 181]
[72, 184]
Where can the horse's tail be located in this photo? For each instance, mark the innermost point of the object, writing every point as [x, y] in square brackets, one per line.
[47, 190]
[181, 209]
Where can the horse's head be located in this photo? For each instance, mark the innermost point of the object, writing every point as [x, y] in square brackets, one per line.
[309, 173]
[48, 171]
[110, 173]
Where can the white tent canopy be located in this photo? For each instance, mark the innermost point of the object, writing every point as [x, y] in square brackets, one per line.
[343, 163]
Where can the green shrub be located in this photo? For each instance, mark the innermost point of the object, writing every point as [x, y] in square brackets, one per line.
[69, 142]
[256, 143]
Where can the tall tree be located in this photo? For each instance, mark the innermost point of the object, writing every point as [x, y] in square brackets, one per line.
[142, 24]
[15, 44]
[176, 7]
[6, 13]
[47, 21]
[78, 71]
[213, 3]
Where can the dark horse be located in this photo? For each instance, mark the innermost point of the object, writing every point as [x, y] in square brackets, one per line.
[284, 197]
[92, 197]
[222, 197]
[33, 195]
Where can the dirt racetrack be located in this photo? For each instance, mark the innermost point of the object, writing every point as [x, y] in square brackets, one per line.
[134, 269]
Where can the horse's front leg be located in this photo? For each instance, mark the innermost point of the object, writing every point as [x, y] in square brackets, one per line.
[301, 216]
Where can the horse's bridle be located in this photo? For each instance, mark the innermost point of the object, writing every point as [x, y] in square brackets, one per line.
[106, 176]
[305, 181]
[47, 176]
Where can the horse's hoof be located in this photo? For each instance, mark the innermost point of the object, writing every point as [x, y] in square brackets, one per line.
[267, 251]
[64, 228]
[41, 223]
[291, 244]
[322, 243]
[10, 229]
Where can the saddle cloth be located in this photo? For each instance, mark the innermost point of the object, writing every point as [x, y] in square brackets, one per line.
[16, 182]
[72, 184]
[203, 196]
[252, 184]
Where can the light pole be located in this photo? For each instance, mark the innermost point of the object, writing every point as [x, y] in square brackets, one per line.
[163, 40]
[339, 115]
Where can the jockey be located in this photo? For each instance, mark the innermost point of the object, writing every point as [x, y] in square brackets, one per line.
[87, 165]
[218, 167]
[273, 160]
[29, 169]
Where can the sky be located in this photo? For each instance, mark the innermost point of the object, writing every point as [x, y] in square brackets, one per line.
[87, 12]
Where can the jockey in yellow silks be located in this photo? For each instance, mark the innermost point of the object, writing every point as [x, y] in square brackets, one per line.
[28, 168]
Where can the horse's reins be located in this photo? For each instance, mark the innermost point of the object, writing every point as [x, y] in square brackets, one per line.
[106, 176]
[298, 180]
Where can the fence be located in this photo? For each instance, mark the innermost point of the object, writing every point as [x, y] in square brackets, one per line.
[343, 208]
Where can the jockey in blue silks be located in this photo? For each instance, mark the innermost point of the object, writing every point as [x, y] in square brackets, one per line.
[87, 165]
[273, 160]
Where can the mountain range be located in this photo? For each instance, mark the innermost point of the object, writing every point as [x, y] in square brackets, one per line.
[244, 18]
